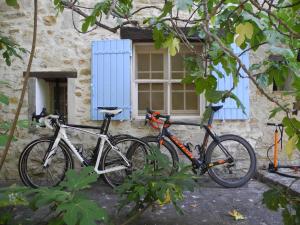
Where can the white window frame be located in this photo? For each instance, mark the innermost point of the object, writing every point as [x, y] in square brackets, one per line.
[134, 89]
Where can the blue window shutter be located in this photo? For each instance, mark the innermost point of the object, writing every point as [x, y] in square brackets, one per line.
[230, 111]
[111, 76]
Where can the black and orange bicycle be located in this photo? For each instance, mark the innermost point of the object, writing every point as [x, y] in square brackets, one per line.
[275, 165]
[229, 159]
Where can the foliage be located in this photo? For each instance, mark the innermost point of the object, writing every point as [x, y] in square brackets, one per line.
[249, 24]
[67, 202]
[9, 49]
[5, 125]
[276, 199]
[154, 186]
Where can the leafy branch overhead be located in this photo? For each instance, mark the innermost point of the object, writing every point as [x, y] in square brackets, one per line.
[10, 49]
[249, 23]
[217, 25]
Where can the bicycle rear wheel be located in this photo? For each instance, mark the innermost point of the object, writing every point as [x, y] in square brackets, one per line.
[238, 172]
[167, 149]
[111, 158]
[31, 170]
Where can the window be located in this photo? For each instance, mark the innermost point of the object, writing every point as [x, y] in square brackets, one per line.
[50, 90]
[157, 82]
[287, 85]
[141, 76]
[52, 94]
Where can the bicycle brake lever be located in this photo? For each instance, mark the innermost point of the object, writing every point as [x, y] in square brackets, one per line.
[146, 119]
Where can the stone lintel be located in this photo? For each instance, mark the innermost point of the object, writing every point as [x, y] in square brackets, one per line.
[145, 35]
[52, 74]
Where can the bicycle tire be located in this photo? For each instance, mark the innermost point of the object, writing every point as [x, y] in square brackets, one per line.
[214, 150]
[169, 150]
[111, 158]
[25, 160]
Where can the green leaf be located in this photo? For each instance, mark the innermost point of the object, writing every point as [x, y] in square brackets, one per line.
[77, 181]
[4, 99]
[82, 211]
[274, 199]
[45, 196]
[87, 23]
[166, 9]
[214, 96]
[13, 3]
[188, 79]
[206, 115]
[158, 37]
[242, 31]
[238, 102]
[288, 217]
[291, 145]
[3, 139]
[23, 123]
[2, 82]
[274, 111]
[5, 125]
[172, 44]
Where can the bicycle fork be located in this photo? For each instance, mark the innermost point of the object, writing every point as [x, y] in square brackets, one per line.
[115, 168]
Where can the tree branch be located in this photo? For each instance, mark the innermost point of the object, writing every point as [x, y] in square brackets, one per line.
[256, 4]
[14, 124]
[230, 53]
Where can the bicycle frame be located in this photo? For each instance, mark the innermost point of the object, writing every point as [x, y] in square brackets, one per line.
[166, 133]
[60, 134]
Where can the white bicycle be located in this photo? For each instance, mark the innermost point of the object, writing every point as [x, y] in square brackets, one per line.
[45, 161]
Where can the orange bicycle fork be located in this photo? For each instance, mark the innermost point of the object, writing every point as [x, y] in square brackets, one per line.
[274, 166]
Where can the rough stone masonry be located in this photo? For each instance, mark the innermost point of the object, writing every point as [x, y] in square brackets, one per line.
[61, 48]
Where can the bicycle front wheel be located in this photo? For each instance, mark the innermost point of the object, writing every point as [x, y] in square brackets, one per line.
[238, 172]
[112, 158]
[31, 169]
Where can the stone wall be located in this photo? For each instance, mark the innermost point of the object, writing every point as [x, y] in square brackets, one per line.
[61, 48]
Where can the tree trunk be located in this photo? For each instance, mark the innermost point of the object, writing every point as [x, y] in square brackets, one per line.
[13, 127]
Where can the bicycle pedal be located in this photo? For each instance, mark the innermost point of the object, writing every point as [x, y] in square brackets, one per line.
[195, 171]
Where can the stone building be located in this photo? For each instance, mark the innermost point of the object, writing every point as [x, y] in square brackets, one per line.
[66, 78]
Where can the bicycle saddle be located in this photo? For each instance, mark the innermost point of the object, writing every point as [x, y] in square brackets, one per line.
[110, 110]
[216, 107]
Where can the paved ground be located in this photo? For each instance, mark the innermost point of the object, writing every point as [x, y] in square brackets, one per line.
[208, 205]
[291, 184]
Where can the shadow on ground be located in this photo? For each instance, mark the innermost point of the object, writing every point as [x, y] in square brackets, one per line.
[208, 205]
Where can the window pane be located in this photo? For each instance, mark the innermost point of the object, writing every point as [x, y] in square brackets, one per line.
[144, 100]
[177, 63]
[190, 87]
[191, 100]
[177, 75]
[157, 87]
[143, 75]
[157, 75]
[177, 87]
[177, 101]
[144, 87]
[158, 101]
[143, 62]
[157, 62]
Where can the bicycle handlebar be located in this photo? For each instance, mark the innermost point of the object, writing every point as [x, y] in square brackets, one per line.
[275, 124]
[157, 115]
[48, 120]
